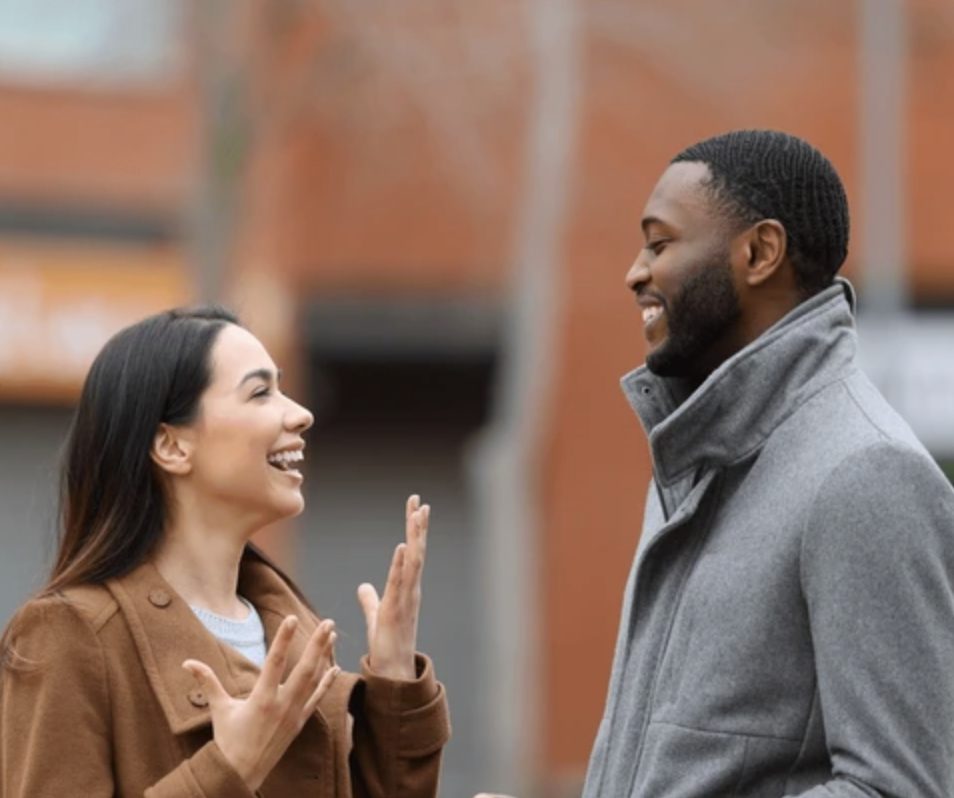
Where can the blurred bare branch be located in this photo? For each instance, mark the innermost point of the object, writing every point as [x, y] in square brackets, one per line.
[458, 66]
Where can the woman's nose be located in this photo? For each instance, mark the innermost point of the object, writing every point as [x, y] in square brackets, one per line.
[298, 418]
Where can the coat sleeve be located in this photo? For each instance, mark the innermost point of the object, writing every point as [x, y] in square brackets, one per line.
[205, 774]
[400, 729]
[54, 706]
[55, 717]
[878, 575]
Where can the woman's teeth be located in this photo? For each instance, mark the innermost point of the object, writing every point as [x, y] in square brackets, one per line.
[284, 460]
[651, 313]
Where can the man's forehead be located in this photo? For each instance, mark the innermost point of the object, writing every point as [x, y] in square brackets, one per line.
[679, 196]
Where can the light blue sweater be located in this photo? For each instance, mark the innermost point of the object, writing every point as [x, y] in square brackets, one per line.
[246, 636]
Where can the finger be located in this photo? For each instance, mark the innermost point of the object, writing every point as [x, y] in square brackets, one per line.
[326, 659]
[323, 686]
[416, 549]
[420, 536]
[304, 677]
[413, 502]
[208, 682]
[369, 601]
[410, 517]
[396, 572]
[277, 657]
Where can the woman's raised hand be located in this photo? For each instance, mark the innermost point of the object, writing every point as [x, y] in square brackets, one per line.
[392, 618]
[253, 733]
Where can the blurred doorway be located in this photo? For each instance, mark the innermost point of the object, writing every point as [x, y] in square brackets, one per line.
[29, 470]
[398, 392]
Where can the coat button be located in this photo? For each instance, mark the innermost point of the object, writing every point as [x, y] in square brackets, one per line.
[197, 699]
[159, 598]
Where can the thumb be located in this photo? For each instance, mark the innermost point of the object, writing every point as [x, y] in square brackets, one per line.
[207, 680]
[369, 601]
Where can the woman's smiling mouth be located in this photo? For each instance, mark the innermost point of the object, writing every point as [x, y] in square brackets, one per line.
[283, 460]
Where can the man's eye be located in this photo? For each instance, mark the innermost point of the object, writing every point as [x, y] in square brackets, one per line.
[261, 392]
[657, 246]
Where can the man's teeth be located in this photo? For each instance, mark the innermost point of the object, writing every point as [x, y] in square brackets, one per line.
[285, 459]
[651, 313]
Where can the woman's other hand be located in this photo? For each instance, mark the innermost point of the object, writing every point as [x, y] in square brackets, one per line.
[253, 733]
[392, 619]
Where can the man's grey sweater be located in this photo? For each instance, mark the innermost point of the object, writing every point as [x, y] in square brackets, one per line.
[788, 624]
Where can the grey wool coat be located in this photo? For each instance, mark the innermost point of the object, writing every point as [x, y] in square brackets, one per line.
[788, 624]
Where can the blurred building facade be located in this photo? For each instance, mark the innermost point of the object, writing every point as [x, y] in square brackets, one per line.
[426, 213]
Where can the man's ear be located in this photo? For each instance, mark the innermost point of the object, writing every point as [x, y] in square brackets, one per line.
[765, 250]
[172, 450]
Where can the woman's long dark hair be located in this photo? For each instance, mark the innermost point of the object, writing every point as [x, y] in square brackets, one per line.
[113, 508]
[112, 504]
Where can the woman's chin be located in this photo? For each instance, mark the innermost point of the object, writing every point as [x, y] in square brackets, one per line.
[278, 509]
[288, 507]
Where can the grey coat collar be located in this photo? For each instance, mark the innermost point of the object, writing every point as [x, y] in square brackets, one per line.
[728, 418]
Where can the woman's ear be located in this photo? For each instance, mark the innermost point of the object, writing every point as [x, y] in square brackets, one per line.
[172, 450]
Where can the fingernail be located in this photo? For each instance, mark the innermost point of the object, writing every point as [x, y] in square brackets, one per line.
[333, 638]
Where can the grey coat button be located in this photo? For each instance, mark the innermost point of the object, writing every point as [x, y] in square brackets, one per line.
[197, 699]
[160, 598]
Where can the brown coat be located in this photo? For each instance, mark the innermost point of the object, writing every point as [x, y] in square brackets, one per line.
[99, 705]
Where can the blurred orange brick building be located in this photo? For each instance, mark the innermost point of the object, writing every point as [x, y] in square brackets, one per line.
[322, 152]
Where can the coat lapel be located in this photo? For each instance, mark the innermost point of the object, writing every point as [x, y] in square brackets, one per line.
[166, 632]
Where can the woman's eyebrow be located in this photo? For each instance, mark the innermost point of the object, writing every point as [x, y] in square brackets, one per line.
[262, 374]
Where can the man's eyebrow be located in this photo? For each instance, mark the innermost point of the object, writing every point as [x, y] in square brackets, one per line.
[648, 221]
[266, 375]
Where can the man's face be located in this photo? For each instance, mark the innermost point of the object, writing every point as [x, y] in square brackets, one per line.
[683, 278]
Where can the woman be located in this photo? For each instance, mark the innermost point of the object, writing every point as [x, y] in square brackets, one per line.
[168, 657]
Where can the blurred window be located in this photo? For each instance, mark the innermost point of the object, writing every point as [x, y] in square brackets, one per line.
[91, 43]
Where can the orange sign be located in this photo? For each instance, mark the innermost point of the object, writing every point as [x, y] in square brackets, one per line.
[61, 301]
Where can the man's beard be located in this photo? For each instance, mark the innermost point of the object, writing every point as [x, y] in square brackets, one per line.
[697, 318]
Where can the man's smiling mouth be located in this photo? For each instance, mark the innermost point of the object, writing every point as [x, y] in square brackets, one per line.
[651, 313]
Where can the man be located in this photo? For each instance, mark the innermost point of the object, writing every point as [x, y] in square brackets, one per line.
[788, 624]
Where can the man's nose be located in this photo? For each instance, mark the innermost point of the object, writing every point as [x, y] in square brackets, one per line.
[638, 273]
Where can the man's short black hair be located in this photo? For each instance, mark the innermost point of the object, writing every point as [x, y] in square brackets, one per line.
[764, 174]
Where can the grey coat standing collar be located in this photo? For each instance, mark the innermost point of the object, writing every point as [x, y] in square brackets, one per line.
[730, 415]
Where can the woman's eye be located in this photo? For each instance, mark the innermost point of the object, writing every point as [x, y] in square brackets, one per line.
[261, 392]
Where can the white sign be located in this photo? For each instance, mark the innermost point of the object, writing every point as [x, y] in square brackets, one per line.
[911, 359]
[91, 42]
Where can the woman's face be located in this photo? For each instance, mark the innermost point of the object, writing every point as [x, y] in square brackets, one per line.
[246, 442]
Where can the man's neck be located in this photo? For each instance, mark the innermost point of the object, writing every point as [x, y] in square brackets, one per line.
[773, 307]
